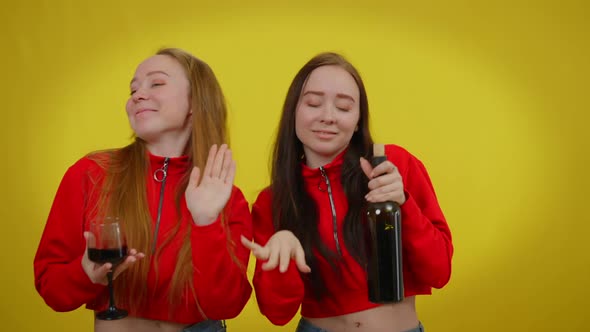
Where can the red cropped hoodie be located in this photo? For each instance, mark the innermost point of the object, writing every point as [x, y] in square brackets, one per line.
[221, 286]
[426, 241]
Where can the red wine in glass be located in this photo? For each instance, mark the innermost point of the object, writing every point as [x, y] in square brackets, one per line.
[106, 244]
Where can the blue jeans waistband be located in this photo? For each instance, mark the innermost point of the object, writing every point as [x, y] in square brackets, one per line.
[207, 326]
[305, 326]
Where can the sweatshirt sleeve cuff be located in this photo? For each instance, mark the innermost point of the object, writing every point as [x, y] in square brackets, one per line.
[207, 230]
[411, 215]
[205, 238]
[278, 293]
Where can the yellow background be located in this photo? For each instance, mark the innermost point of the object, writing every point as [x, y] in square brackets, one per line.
[492, 97]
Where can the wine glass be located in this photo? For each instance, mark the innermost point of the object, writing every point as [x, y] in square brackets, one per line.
[107, 244]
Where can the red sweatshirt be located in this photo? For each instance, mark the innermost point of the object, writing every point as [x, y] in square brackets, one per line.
[426, 241]
[222, 287]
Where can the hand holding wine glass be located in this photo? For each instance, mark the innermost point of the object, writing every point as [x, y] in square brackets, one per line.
[106, 250]
[97, 272]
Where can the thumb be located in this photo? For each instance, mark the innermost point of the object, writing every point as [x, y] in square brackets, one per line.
[366, 167]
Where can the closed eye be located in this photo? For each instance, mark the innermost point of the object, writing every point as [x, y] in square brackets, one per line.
[343, 105]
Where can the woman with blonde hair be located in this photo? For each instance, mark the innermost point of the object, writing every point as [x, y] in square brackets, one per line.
[172, 190]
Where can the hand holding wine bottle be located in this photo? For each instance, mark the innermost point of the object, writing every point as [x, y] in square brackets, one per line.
[385, 182]
[384, 251]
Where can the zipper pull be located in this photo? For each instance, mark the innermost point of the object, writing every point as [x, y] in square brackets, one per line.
[325, 182]
[161, 173]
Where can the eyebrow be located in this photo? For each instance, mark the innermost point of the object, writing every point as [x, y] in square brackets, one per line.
[151, 73]
[319, 93]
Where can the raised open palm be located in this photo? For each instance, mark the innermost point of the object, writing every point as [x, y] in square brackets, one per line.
[207, 194]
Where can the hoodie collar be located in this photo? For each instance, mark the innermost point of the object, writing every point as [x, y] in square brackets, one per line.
[332, 167]
[176, 165]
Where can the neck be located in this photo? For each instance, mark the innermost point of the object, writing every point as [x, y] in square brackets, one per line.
[317, 161]
[313, 160]
[169, 146]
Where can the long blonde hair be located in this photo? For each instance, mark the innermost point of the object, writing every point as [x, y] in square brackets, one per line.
[123, 192]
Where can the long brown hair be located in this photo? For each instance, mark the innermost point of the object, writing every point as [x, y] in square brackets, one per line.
[293, 209]
[123, 192]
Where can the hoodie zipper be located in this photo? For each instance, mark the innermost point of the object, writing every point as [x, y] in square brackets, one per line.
[333, 208]
[160, 175]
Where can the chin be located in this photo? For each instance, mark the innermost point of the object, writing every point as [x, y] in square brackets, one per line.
[328, 152]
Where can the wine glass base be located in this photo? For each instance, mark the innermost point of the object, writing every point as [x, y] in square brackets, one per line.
[111, 314]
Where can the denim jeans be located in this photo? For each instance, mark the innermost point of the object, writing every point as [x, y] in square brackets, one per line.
[207, 326]
[306, 326]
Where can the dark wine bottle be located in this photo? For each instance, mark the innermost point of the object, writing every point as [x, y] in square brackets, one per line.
[384, 270]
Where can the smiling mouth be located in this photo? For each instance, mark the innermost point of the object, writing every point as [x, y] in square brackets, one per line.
[144, 111]
[323, 132]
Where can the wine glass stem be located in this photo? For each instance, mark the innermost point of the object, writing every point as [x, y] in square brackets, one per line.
[111, 290]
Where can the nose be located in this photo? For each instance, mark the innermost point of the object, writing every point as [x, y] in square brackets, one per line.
[139, 95]
[328, 115]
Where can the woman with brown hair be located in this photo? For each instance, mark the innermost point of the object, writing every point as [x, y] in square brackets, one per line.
[172, 190]
[308, 225]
